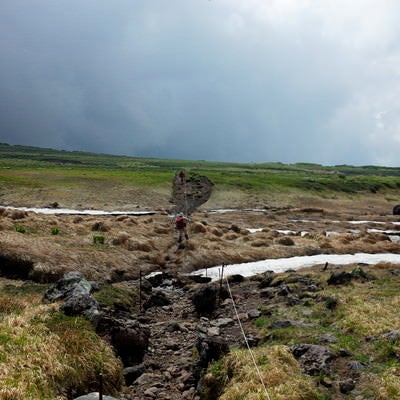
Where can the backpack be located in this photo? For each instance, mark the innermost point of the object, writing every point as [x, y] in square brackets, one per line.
[180, 222]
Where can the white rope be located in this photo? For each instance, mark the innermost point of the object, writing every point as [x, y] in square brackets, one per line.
[247, 342]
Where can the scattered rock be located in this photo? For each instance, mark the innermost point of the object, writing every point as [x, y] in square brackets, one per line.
[326, 381]
[313, 358]
[327, 338]
[356, 365]
[221, 322]
[213, 331]
[269, 292]
[132, 373]
[392, 335]
[204, 299]
[236, 278]
[254, 313]
[346, 386]
[280, 324]
[157, 299]
[339, 278]
[199, 278]
[266, 280]
[235, 228]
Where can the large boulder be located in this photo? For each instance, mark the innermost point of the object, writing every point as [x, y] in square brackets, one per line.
[94, 396]
[66, 286]
[204, 299]
[396, 210]
[210, 348]
[82, 304]
[75, 290]
[129, 337]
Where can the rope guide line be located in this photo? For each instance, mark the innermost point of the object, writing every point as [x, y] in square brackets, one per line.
[247, 342]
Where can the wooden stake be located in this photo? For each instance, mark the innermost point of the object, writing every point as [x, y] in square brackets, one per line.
[140, 291]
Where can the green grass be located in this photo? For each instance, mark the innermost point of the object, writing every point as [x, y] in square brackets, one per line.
[112, 296]
[38, 167]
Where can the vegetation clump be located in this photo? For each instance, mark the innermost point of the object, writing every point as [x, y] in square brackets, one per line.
[357, 322]
[46, 355]
[277, 375]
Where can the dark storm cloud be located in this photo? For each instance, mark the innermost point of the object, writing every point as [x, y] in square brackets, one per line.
[216, 80]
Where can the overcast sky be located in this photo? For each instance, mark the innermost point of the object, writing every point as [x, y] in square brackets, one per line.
[223, 80]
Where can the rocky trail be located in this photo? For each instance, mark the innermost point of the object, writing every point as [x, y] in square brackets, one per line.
[167, 367]
[185, 337]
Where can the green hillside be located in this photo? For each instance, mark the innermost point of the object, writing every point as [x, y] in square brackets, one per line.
[22, 165]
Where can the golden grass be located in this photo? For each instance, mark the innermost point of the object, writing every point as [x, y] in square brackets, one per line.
[390, 385]
[134, 243]
[369, 312]
[279, 370]
[39, 363]
[384, 386]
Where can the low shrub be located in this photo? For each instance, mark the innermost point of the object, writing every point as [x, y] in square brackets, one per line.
[98, 239]
[20, 229]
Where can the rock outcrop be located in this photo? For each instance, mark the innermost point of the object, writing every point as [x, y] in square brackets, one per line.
[189, 192]
[75, 291]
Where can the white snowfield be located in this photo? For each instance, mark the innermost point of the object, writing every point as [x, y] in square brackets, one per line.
[293, 263]
[69, 211]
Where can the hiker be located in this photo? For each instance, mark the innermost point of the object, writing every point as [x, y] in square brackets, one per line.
[180, 224]
[182, 176]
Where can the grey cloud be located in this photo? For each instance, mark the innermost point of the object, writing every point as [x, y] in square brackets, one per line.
[190, 80]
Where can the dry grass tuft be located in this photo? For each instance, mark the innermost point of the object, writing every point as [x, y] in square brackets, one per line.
[260, 243]
[217, 232]
[121, 239]
[146, 246]
[285, 241]
[198, 227]
[370, 317]
[45, 354]
[386, 265]
[17, 214]
[231, 236]
[390, 385]
[279, 370]
[100, 227]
